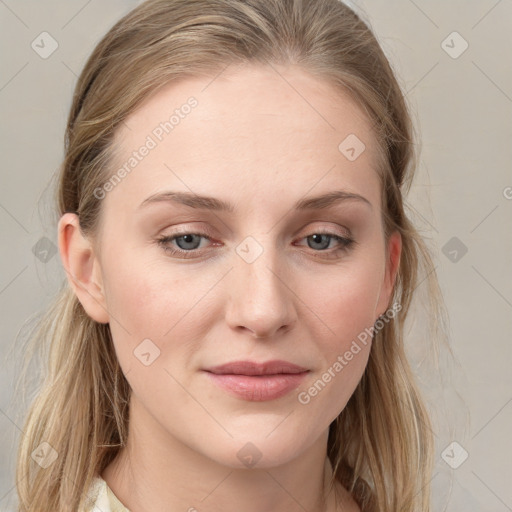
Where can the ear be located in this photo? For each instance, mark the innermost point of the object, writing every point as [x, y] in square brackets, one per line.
[393, 252]
[82, 267]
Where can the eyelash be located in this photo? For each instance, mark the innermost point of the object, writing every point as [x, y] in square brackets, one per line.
[346, 243]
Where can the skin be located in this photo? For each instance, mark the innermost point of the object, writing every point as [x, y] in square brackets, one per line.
[262, 138]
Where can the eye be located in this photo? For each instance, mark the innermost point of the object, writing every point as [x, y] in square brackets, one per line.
[187, 244]
[320, 242]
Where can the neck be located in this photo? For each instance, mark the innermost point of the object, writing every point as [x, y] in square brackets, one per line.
[156, 471]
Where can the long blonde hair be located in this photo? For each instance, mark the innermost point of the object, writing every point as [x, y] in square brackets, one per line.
[381, 445]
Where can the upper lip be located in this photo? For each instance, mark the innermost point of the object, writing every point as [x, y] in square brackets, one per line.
[253, 368]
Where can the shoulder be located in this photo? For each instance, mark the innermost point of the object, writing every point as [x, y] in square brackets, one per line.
[97, 499]
[100, 498]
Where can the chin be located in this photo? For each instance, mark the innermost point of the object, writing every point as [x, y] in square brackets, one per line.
[256, 451]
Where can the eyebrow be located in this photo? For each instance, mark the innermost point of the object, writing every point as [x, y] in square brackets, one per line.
[211, 203]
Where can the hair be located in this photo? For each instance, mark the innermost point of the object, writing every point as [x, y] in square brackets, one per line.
[381, 445]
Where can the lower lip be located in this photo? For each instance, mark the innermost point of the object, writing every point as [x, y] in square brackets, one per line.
[258, 388]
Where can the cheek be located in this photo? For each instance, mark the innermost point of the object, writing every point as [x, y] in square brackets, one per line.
[345, 308]
[146, 297]
[139, 302]
[146, 300]
[148, 334]
[345, 301]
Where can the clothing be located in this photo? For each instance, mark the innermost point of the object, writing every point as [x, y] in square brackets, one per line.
[103, 499]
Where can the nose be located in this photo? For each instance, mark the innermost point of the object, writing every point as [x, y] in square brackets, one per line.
[261, 298]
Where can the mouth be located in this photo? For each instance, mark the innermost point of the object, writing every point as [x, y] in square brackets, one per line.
[252, 368]
[257, 382]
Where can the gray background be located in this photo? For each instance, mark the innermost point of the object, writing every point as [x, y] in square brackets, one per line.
[461, 199]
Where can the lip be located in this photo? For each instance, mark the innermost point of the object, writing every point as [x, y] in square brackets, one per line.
[257, 382]
[253, 368]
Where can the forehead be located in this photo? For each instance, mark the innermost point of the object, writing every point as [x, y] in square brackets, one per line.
[251, 129]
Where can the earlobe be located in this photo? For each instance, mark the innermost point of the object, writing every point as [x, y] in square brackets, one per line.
[394, 251]
[81, 266]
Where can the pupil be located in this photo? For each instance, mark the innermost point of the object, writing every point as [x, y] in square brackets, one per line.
[317, 239]
[186, 240]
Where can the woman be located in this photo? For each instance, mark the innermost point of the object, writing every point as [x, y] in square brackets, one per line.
[239, 270]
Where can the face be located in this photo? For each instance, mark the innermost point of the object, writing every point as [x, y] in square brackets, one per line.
[259, 273]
